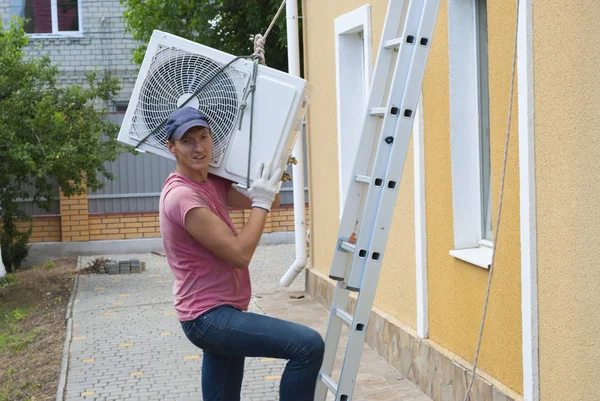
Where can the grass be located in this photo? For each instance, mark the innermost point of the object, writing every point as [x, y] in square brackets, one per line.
[9, 280]
[32, 329]
[12, 337]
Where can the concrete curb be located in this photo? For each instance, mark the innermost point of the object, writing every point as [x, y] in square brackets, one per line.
[282, 237]
[64, 367]
[41, 251]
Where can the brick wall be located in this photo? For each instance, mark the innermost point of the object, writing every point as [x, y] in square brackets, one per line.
[279, 219]
[124, 226]
[74, 218]
[74, 224]
[45, 229]
[146, 225]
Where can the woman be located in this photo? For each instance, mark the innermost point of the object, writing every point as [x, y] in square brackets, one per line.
[210, 259]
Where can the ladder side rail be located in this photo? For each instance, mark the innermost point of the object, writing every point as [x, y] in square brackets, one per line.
[332, 339]
[383, 64]
[386, 144]
[410, 99]
[354, 194]
[356, 339]
[391, 26]
[386, 207]
[384, 212]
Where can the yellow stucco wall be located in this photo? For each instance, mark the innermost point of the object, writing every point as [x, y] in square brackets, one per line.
[456, 289]
[396, 291]
[567, 152]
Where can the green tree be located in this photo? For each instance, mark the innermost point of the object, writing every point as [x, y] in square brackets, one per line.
[48, 135]
[226, 25]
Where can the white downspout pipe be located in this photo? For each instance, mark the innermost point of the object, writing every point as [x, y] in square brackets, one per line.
[293, 46]
[2, 269]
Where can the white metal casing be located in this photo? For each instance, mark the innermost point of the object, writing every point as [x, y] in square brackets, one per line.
[280, 104]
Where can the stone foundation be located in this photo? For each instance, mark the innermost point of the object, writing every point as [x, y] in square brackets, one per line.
[436, 371]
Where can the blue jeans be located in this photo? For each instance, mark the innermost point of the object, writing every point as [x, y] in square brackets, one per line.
[227, 335]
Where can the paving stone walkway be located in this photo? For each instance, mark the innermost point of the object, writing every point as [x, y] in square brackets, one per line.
[126, 342]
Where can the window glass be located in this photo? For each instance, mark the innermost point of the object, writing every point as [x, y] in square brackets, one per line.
[484, 118]
[38, 16]
[67, 15]
[121, 107]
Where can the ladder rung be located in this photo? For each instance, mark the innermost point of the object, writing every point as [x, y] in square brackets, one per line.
[328, 381]
[345, 316]
[377, 111]
[363, 178]
[347, 246]
[393, 44]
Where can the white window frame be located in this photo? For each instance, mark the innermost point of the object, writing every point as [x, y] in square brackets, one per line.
[55, 31]
[351, 65]
[469, 244]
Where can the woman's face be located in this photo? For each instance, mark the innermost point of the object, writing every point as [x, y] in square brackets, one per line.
[194, 149]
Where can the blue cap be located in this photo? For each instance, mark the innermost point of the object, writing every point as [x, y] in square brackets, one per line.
[182, 120]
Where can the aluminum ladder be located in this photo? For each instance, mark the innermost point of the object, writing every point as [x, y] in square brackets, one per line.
[371, 196]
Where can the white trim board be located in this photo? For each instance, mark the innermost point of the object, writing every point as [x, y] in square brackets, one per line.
[353, 76]
[529, 290]
[420, 223]
[465, 132]
[480, 256]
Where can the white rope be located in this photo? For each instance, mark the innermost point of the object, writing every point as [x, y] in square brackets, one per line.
[490, 273]
[259, 48]
[259, 40]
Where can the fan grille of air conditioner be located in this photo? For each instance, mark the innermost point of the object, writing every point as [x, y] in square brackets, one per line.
[174, 75]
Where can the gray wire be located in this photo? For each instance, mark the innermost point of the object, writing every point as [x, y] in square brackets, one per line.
[253, 89]
[490, 273]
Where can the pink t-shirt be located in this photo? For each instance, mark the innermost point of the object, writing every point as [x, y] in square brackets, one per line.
[202, 279]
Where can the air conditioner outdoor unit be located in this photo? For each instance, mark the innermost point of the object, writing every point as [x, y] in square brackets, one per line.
[175, 68]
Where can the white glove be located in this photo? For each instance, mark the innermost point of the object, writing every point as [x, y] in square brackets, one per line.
[264, 188]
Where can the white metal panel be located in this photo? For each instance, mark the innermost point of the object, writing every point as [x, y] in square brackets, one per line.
[529, 287]
[269, 136]
[464, 124]
[420, 224]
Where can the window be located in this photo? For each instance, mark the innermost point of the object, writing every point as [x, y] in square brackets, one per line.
[353, 79]
[58, 17]
[484, 116]
[120, 107]
[470, 131]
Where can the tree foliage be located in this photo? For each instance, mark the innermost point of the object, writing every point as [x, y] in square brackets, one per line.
[227, 25]
[48, 135]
